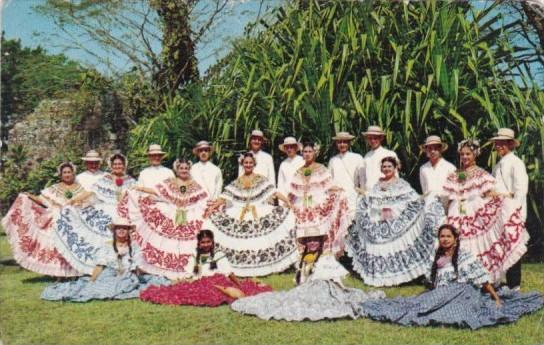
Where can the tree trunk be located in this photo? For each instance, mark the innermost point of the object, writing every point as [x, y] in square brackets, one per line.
[178, 61]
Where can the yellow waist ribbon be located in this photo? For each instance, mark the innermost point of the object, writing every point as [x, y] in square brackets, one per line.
[246, 209]
[181, 217]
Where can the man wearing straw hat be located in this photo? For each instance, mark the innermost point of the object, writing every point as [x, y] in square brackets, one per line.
[264, 162]
[93, 173]
[434, 173]
[511, 180]
[344, 165]
[205, 173]
[155, 173]
[290, 165]
[370, 173]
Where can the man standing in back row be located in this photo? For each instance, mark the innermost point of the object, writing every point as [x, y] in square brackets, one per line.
[343, 167]
[205, 173]
[92, 173]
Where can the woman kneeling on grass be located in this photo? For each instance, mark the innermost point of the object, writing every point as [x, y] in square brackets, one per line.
[455, 299]
[116, 275]
[215, 283]
[320, 293]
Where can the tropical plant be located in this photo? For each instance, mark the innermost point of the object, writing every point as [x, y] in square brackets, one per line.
[415, 68]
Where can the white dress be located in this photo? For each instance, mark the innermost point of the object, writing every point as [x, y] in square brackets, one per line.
[257, 237]
[82, 231]
[491, 228]
[167, 225]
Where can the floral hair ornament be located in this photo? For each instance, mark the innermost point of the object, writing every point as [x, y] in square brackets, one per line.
[66, 164]
[472, 144]
[117, 154]
[244, 155]
[181, 161]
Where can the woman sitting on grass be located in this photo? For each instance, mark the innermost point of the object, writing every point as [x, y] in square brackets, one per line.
[320, 293]
[116, 275]
[215, 283]
[455, 299]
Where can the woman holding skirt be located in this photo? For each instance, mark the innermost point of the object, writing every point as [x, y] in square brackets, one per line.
[30, 225]
[317, 203]
[394, 233]
[491, 226]
[257, 237]
[82, 229]
[167, 220]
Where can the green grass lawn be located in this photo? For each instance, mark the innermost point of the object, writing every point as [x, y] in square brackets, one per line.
[25, 319]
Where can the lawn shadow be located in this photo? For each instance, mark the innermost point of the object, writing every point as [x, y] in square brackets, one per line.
[40, 279]
[8, 262]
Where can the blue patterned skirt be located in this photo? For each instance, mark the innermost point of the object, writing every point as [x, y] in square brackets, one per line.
[108, 285]
[456, 304]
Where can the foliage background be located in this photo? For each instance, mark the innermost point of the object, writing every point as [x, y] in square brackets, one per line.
[309, 69]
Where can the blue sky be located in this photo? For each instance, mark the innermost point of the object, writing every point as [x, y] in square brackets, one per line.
[19, 21]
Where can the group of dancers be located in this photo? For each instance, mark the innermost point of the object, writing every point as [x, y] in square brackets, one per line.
[176, 236]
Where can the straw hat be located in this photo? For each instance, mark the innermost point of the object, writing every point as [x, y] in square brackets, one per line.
[92, 156]
[155, 149]
[202, 144]
[373, 130]
[343, 136]
[257, 133]
[120, 221]
[311, 232]
[506, 134]
[290, 141]
[434, 140]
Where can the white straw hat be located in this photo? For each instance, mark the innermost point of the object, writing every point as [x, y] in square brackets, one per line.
[506, 134]
[120, 221]
[434, 140]
[290, 141]
[373, 130]
[343, 136]
[202, 144]
[92, 156]
[155, 149]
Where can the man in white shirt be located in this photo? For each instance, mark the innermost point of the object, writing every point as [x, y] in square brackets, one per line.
[434, 173]
[205, 173]
[290, 165]
[155, 173]
[92, 162]
[370, 173]
[511, 180]
[344, 165]
[265, 163]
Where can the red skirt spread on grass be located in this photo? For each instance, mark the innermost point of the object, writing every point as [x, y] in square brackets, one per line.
[201, 292]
